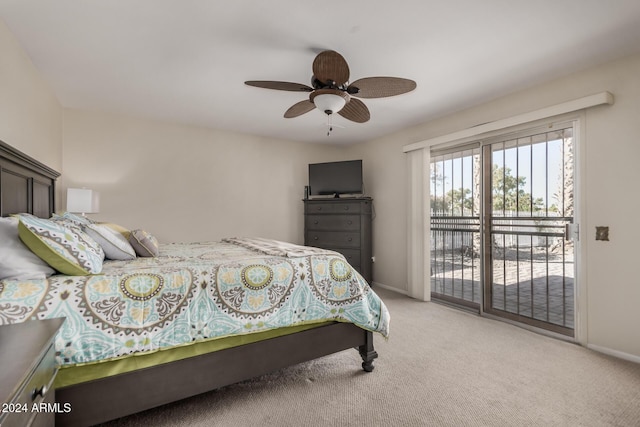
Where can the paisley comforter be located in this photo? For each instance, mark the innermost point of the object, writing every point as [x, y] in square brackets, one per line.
[191, 293]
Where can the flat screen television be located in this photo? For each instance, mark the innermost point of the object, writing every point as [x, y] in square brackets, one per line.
[336, 178]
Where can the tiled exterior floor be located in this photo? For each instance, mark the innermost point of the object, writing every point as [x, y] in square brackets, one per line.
[539, 286]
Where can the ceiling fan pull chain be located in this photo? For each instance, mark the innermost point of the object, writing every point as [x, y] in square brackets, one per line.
[329, 124]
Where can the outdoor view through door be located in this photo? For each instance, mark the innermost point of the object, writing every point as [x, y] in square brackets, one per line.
[501, 219]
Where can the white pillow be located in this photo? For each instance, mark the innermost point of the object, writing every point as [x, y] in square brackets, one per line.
[16, 260]
[114, 245]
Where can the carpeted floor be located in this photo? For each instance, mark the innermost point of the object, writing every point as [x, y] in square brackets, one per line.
[440, 367]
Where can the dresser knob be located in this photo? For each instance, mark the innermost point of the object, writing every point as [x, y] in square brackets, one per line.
[315, 222]
[346, 208]
[315, 237]
[349, 222]
[39, 392]
[319, 208]
[350, 239]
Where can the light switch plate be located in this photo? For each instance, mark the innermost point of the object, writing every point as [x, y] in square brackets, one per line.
[602, 233]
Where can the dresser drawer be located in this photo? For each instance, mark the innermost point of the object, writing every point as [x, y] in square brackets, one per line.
[333, 222]
[35, 391]
[330, 239]
[333, 207]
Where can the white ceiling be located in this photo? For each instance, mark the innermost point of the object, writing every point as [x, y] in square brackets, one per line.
[186, 60]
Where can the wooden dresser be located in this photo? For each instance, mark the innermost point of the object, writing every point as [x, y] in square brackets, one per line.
[27, 372]
[342, 225]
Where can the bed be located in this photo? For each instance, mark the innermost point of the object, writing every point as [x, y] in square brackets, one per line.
[188, 319]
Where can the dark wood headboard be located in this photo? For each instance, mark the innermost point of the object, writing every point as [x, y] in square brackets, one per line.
[26, 185]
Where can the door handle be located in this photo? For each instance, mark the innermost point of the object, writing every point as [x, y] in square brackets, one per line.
[571, 231]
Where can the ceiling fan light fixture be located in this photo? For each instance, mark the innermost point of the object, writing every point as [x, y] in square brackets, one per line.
[329, 101]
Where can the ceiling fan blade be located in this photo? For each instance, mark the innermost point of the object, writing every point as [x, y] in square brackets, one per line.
[356, 111]
[292, 87]
[299, 109]
[380, 87]
[330, 67]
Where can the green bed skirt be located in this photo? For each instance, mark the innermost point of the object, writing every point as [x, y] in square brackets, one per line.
[70, 375]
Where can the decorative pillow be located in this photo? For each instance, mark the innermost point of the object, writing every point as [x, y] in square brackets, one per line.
[114, 245]
[16, 260]
[117, 228]
[68, 250]
[69, 219]
[144, 243]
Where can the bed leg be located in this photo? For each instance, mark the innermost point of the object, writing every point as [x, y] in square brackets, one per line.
[367, 352]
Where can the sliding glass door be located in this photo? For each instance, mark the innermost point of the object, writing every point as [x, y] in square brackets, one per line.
[502, 227]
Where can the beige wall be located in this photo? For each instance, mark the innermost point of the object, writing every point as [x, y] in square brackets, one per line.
[30, 114]
[385, 178]
[183, 183]
[608, 178]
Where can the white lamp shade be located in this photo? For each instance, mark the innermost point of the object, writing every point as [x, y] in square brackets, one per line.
[82, 200]
[329, 102]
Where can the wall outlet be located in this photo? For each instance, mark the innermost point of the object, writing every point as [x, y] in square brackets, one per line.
[373, 259]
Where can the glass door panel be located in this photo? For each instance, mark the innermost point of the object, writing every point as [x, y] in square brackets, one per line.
[455, 227]
[529, 267]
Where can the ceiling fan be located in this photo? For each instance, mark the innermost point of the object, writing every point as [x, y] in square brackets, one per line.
[331, 92]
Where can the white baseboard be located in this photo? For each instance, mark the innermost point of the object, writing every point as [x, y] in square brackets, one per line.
[614, 353]
[389, 288]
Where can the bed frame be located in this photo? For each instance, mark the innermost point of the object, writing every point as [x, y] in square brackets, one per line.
[26, 185]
